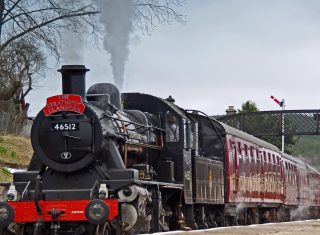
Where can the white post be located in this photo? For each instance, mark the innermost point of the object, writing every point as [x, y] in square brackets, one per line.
[282, 125]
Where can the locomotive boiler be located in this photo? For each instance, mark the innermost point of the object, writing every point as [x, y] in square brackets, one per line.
[132, 163]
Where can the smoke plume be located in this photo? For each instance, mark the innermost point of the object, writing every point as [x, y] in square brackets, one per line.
[116, 16]
[71, 40]
[70, 48]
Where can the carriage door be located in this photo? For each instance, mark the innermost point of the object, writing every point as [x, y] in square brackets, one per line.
[237, 155]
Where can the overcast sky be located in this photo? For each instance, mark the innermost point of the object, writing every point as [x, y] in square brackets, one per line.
[228, 52]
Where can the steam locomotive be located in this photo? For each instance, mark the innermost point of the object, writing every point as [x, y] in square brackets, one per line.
[111, 163]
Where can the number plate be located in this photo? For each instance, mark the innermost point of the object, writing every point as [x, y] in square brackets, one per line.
[60, 126]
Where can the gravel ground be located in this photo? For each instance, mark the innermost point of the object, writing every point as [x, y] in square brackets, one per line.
[310, 227]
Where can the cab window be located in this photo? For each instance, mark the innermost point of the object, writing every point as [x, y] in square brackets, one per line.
[172, 128]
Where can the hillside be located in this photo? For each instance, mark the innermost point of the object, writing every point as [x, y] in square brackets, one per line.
[15, 152]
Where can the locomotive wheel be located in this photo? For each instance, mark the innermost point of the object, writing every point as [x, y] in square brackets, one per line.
[20, 229]
[103, 229]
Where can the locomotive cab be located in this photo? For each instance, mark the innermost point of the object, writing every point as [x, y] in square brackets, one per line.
[174, 163]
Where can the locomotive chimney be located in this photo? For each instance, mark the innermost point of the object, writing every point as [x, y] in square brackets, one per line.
[231, 110]
[74, 80]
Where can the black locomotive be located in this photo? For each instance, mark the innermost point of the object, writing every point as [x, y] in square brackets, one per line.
[106, 163]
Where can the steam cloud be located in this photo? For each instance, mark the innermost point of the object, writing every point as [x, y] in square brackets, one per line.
[72, 41]
[70, 48]
[116, 16]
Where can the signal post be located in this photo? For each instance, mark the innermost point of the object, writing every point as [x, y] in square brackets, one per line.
[283, 106]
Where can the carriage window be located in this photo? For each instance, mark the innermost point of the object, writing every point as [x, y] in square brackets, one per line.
[251, 152]
[274, 170]
[245, 150]
[231, 165]
[258, 166]
[252, 167]
[231, 144]
[172, 128]
[247, 166]
[265, 167]
[241, 168]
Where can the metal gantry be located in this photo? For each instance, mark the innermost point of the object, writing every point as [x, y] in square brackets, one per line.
[269, 123]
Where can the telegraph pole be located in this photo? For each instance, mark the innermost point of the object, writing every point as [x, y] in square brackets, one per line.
[283, 106]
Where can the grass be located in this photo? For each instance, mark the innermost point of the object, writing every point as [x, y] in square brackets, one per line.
[15, 152]
[3, 150]
[5, 176]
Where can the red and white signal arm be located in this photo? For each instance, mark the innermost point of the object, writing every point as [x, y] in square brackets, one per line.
[66, 102]
[280, 103]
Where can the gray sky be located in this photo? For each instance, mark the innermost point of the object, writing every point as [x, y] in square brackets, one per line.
[228, 52]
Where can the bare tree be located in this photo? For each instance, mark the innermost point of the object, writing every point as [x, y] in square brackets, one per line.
[152, 12]
[1, 13]
[43, 20]
[20, 64]
[27, 27]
